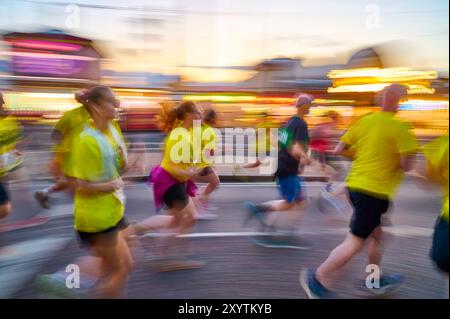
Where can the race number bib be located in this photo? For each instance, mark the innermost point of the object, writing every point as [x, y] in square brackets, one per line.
[284, 138]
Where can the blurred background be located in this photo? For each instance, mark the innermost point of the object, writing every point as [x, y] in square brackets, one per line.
[248, 60]
[243, 58]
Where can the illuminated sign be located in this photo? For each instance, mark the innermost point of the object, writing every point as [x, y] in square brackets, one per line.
[45, 55]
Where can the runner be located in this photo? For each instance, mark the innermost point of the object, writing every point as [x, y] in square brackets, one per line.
[173, 185]
[68, 127]
[9, 156]
[320, 138]
[333, 199]
[263, 145]
[436, 168]
[383, 149]
[207, 174]
[99, 202]
[293, 142]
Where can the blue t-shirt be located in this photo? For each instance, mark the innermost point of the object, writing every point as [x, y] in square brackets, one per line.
[296, 130]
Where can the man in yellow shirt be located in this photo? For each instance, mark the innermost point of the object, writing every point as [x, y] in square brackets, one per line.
[384, 148]
[67, 128]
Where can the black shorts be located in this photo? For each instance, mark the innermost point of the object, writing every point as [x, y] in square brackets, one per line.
[439, 250]
[176, 196]
[110, 234]
[4, 198]
[367, 213]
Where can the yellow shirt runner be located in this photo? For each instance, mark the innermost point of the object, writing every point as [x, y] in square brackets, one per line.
[178, 153]
[98, 157]
[208, 146]
[9, 137]
[378, 141]
[69, 126]
[436, 153]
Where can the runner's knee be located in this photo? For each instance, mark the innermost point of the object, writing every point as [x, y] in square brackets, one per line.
[5, 210]
[354, 243]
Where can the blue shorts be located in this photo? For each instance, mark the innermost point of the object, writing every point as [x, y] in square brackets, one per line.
[290, 188]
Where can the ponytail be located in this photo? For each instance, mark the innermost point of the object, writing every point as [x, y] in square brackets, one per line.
[170, 116]
[81, 96]
[167, 117]
[92, 95]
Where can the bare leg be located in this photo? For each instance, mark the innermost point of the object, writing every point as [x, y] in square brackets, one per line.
[153, 223]
[287, 220]
[252, 165]
[182, 221]
[116, 260]
[338, 258]
[213, 184]
[5, 210]
[92, 266]
[375, 247]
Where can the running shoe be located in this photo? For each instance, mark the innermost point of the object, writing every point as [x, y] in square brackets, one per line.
[42, 198]
[312, 287]
[54, 286]
[204, 210]
[388, 284]
[253, 212]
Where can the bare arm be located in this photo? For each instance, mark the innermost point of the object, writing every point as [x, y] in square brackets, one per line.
[252, 165]
[339, 149]
[298, 152]
[105, 187]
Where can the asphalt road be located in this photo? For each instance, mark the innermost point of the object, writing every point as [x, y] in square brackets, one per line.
[235, 267]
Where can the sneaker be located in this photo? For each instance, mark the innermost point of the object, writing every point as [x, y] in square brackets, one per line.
[388, 284]
[42, 198]
[54, 286]
[203, 212]
[313, 288]
[253, 212]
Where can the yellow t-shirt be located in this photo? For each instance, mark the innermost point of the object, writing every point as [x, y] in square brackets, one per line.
[178, 153]
[70, 125]
[378, 140]
[9, 137]
[9, 134]
[208, 146]
[436, 153]
[98, 157]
